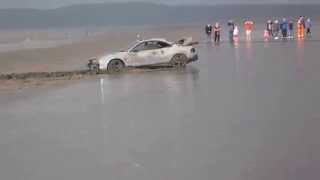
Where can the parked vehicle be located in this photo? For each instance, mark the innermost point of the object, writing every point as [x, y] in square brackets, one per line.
[151, 52]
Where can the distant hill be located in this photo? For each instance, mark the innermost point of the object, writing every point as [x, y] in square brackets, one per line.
[114, 14]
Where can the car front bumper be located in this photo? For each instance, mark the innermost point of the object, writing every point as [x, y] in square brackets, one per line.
[194, 58]
[93, 64]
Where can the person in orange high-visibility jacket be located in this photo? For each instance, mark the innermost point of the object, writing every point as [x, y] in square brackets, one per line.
[300, 27]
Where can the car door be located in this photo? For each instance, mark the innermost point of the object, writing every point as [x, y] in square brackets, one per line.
[163, 52]
[145, 53]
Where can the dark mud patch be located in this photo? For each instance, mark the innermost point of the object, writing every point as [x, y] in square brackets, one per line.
[70, 74]
[43, 75]
[18, 81]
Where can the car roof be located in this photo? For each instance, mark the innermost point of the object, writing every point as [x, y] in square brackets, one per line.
[148, 40]
[157, 39]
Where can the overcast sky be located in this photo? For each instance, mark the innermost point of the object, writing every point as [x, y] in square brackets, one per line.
[58, 3]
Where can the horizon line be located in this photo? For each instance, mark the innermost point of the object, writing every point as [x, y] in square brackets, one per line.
[166, 4]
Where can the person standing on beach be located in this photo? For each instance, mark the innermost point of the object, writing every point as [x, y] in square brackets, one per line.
[248, 26]
[217, 32]
[208, 30]
[284, 27]
[230, 30]
[303, 22]
[236, 31]
[276, 29]
[269, 28]
[290, 32]
[301, 27]
[308, 26]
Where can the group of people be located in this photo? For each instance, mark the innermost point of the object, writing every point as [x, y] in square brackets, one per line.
[233, 30]
[216, 30]
[273, 29]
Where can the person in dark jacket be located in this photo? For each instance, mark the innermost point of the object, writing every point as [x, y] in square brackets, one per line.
[284, 27]
[208, 30]
[230, 30]
[269, 27]
[308, 26]
[290, 32]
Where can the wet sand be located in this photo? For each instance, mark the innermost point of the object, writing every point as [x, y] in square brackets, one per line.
[242, 112]
[74, 55]
[65, 50]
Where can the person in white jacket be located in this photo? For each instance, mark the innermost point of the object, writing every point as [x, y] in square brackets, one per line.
[236, 31]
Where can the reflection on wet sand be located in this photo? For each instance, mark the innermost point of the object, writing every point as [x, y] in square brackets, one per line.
[236, 55]
[102, 90]
[168, 80]
[249, 59]
[300, 58]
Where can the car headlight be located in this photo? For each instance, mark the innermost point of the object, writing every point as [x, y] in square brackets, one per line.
[93, 64]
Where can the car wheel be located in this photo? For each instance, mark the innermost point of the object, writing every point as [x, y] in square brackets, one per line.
[179, 60]
[115, 66]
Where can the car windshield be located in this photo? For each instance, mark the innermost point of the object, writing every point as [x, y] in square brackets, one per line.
[130, 45]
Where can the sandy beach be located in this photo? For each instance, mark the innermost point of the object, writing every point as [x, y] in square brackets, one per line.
[243, 112]
[68, 50]
[73, 53]
[245, 108]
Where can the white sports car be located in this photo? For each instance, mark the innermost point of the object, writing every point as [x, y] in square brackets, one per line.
[151, 52]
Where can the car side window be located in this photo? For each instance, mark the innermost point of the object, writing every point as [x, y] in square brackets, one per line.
[150, 45]
[163, 44]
